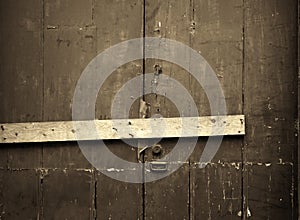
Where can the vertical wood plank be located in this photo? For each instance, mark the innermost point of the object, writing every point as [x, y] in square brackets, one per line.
[118, 21]
[118, 200]
[270, 93]
[66, 194]
[21, 93]
[270, 108]
[298, 159]
[216, 192]
[19, 194]
[270, 191]
[167, 198]
[167, 19]
[69, 45]
[21, 61]
[21, 74]
[217, 34]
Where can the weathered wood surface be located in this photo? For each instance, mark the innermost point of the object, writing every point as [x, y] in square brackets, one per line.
[217, 33]
[270, 106]
[20, 194]
[68, 46]
[122, 129]
[251, 44]
[69, 200]
[21, 96]
[215, 30]
[298, 179]
[118, 21]
[167, 19]
[21, 61]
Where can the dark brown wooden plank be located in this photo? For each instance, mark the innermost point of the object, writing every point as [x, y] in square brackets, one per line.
[67, 52]
[167, 19]
[69, 45]
[74, 13]
[21, 59]
[118, 21]
[66, 194]
[19, 194]
[270, 79]
[218, 37]
[270, 191]
[123, 21]
[298, 159]
[21, 93]
[21, 74]
[217, 34]
[118, 200]
[270, 90]
[216, 191]
[167, 198]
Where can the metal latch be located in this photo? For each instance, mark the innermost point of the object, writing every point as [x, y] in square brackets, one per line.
[154, 82]
[158, 166]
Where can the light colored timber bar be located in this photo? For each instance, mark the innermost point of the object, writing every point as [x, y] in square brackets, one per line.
[122, 129]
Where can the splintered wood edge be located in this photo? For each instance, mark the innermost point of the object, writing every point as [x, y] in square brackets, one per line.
[122, 129]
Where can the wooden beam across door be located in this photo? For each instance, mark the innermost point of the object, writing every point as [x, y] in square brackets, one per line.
[122, 129]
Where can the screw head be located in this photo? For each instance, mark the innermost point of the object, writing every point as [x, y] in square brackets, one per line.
[156, 149]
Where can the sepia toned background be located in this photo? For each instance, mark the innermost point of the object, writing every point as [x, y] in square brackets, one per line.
[251, 44]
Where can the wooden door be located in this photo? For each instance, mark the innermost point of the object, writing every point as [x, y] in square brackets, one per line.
[215, 30]
[250, 44]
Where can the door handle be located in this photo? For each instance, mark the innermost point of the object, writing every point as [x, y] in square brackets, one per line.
[157, 166]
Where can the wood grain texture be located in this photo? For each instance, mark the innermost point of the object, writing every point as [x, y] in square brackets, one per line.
[216, 191]
[270, 108]
[298, 159]
[66, 194]
[118, 21]
[167, 19]
[123, 129]
[168, 200]
[69, 45]
[21, 95]
[251, 45]
[21, 61]
[217, 34]
[118, 200]
[269, 191]
[20, 194]
[21, 74]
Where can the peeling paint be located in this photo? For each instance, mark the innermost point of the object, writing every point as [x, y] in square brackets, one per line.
[115, 170]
